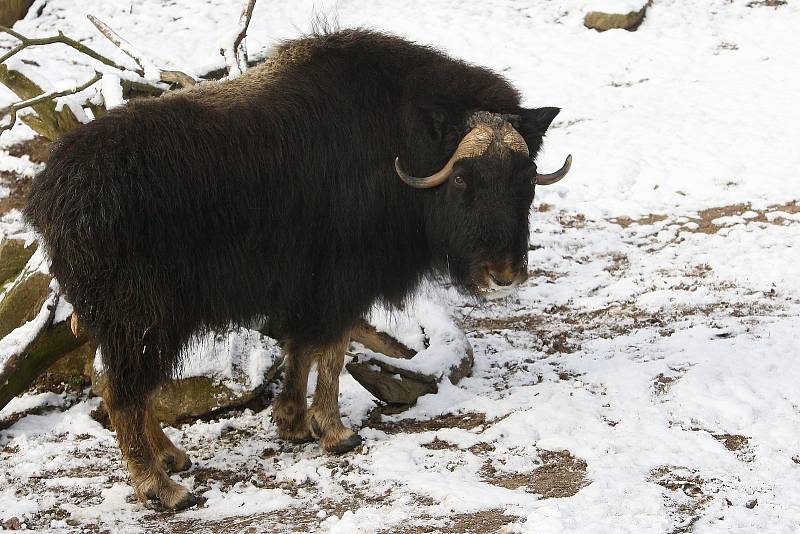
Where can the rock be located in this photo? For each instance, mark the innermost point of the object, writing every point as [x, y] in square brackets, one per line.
[73, 368]
[32, 337]
[628, 16]
[12, 523]
[23, 301]
[397, 377]
[13, 257]
[220, 373]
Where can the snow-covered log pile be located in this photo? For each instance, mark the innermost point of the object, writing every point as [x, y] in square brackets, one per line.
[399, 375]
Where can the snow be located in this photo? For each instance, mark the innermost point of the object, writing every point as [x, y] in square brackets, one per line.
[111, 90]
[239, 359]
[621, 7]
[15, 342]
[424, 321]
[635, 348]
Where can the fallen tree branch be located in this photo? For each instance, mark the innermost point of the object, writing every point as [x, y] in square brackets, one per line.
[26, 42]
[235, 53]
[47, 122]
[46, 97]
[146, 69]
[21, 370]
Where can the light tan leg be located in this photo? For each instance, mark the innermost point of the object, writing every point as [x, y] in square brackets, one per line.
[289, 409]
[323, 415]
[170, 457]
[150, 480]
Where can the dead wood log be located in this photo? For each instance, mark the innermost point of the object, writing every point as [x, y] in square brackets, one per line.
[377, 341]
[43, 124]
[48, 122]
[391, 382]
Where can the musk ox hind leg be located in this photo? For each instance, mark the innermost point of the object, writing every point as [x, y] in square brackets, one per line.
[323, 416]
[289, 409]
[133, 372]
[144, 463]
[170, 457]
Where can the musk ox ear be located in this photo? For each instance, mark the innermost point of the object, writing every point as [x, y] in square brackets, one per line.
[533, 123]
[538, 119]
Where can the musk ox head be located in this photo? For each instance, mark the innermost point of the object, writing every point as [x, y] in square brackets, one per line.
[480, 200]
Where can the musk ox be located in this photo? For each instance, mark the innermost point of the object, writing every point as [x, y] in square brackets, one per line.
[339, 173]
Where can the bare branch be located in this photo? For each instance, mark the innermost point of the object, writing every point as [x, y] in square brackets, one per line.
[14, 108]
[176, 76]
[120, 43]
[146, 68]
[26, 42]
[244, 23]
[235, 53]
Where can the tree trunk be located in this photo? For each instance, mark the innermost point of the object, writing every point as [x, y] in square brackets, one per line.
[13, 10]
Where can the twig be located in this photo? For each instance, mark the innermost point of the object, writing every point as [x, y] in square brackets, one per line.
[146, 68]
[14, 108]
[236, 56]
[244, 23]
[26, 42]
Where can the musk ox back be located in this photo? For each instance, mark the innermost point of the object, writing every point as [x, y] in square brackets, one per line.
[278, 195]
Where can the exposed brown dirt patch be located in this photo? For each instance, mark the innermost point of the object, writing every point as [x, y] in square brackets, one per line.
[484, 522]
[767, 3]
[643, 221]
[704, 221]
[739, 445]
[618, 263]
[18, 185]
[467, 421]
[561, 475]
[572, 221]
[682, 483]
[553, 341]
[663, 382]
[37, 149]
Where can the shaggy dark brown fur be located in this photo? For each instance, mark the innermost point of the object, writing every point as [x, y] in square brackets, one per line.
[274, 195]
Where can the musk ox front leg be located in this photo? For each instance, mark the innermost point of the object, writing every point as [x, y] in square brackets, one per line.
[289, 409]
[323, 417]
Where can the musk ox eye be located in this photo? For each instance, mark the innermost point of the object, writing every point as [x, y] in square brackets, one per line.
[459, 181]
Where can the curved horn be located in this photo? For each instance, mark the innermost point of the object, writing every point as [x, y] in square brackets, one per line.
[473, 144]
[513, 140]
[553, 177]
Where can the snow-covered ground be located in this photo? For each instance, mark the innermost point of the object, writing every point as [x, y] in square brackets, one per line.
[643, 380]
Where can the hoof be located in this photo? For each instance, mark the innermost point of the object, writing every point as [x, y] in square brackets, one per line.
[173, 465]
[169, 497]
[187, 501]
[346, 445]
